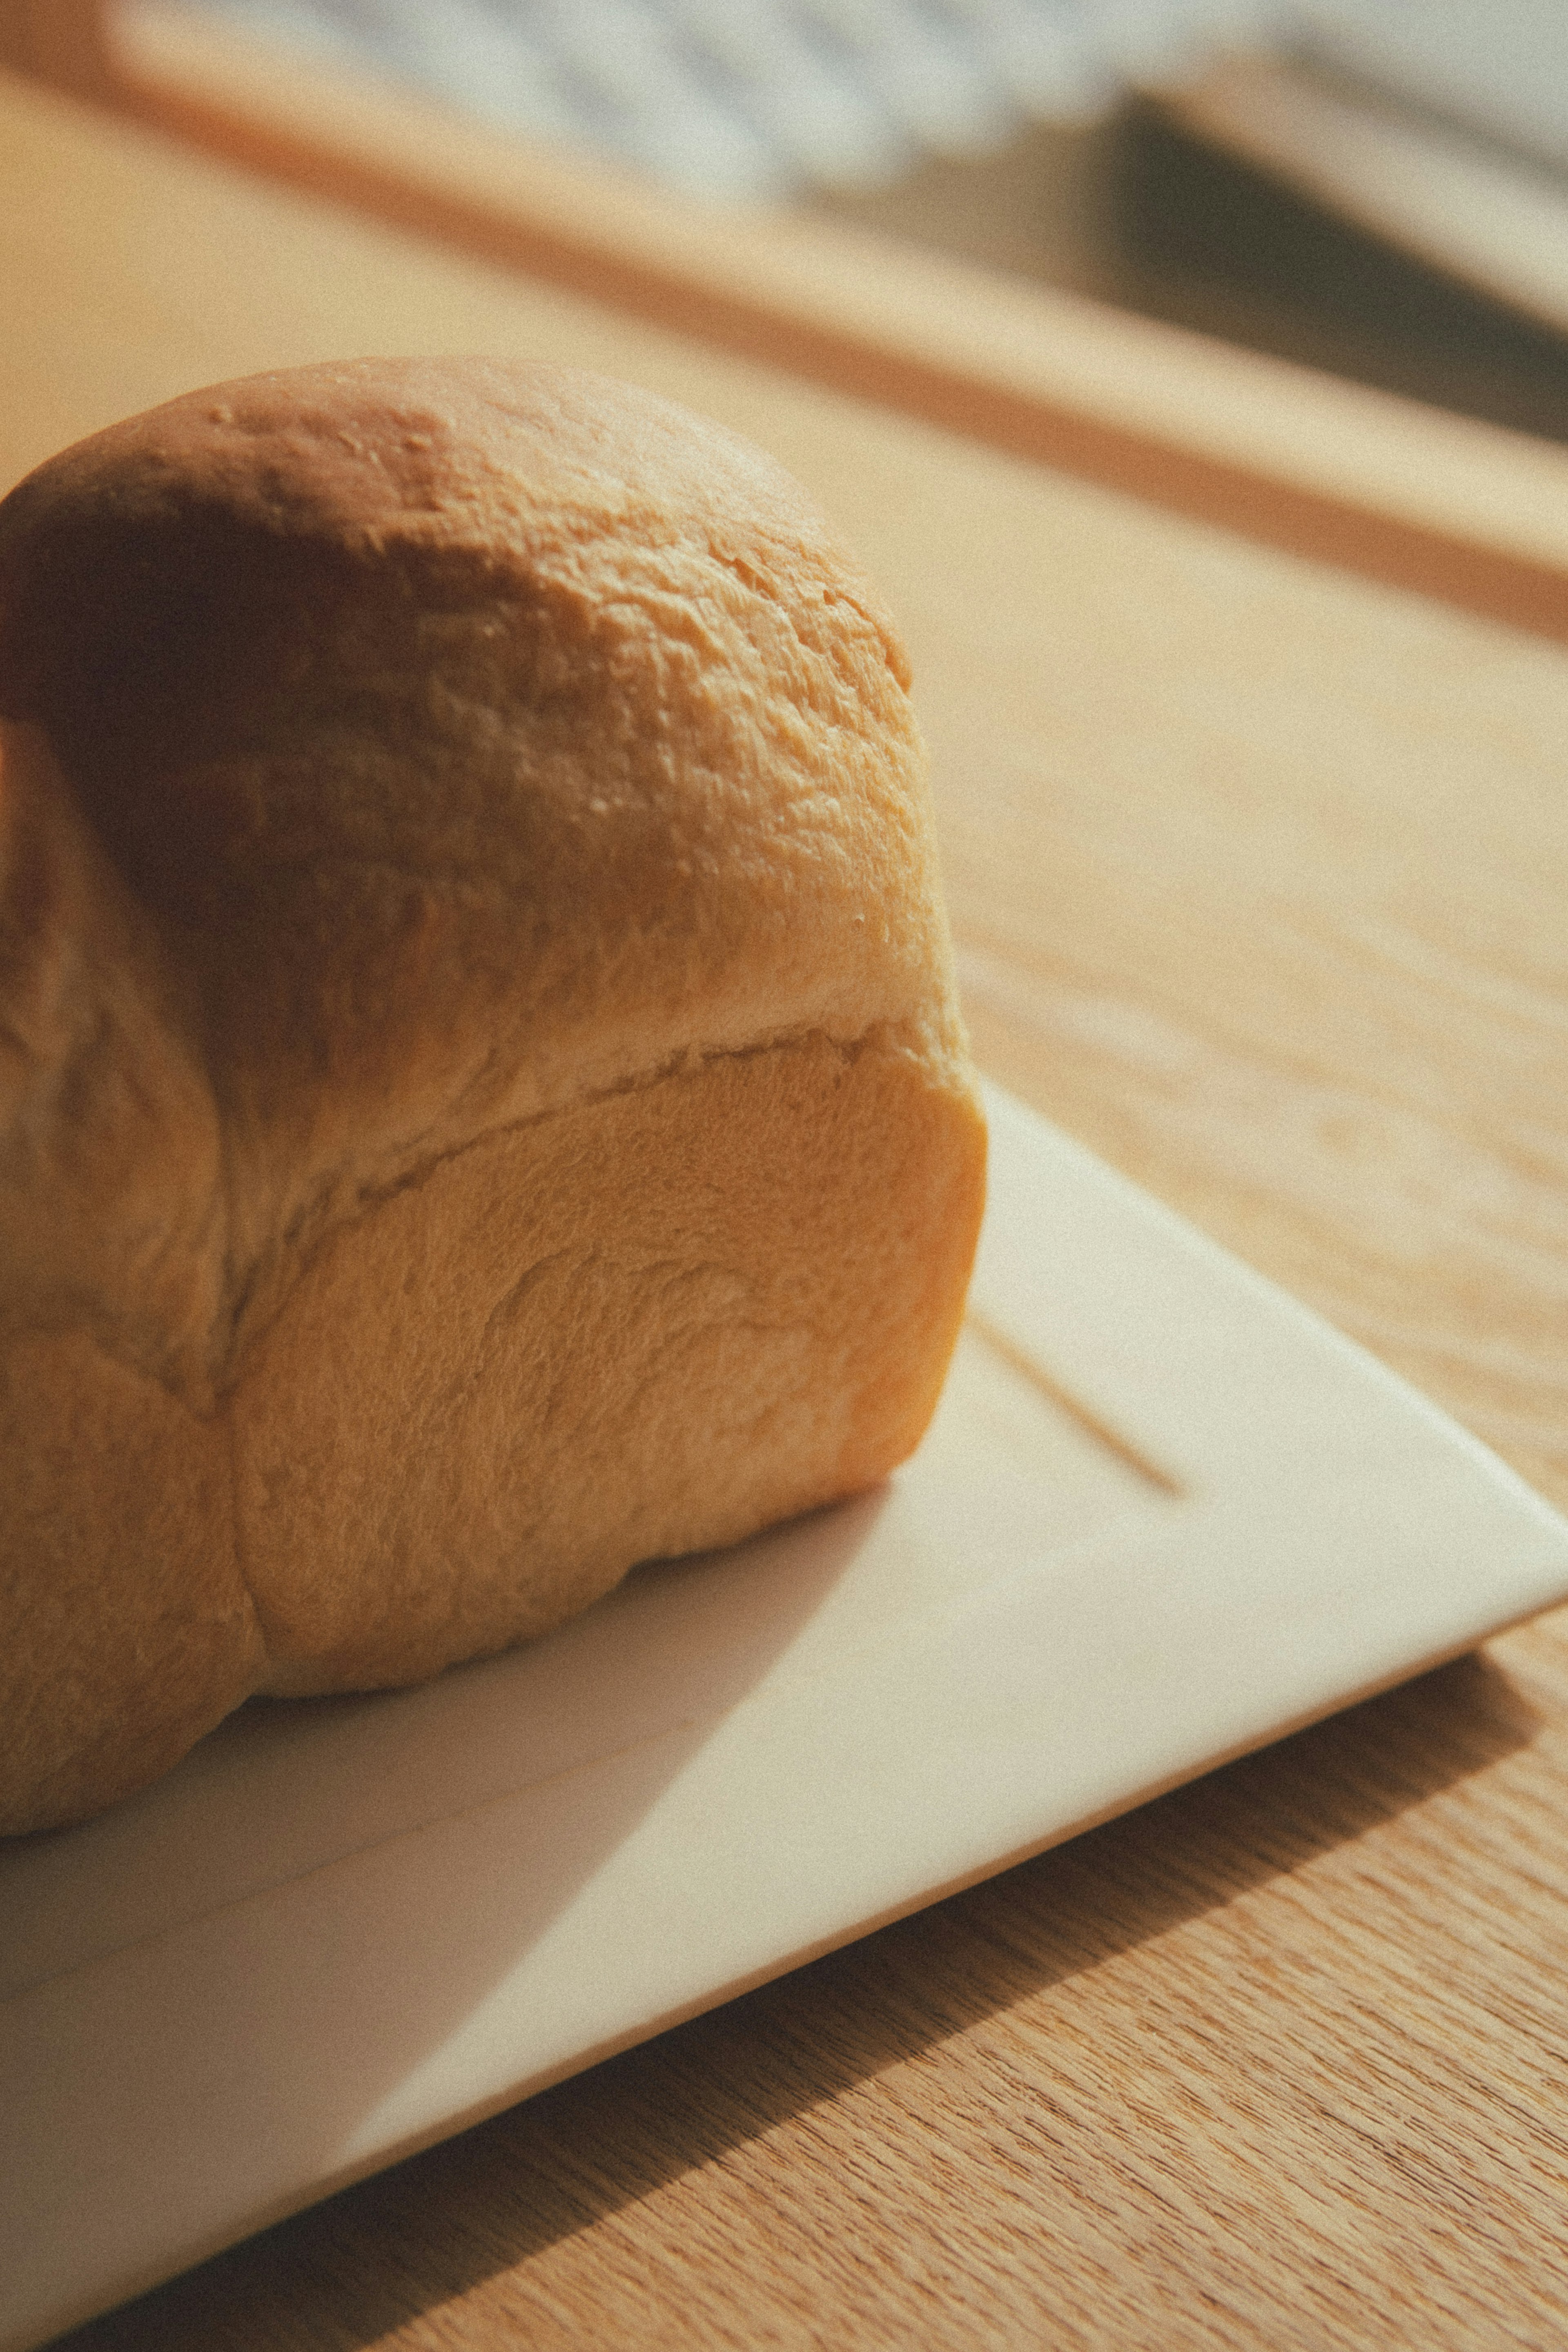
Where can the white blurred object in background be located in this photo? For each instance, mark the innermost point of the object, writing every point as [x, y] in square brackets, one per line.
[1500, 67]
[762, 99]
[1439, 125]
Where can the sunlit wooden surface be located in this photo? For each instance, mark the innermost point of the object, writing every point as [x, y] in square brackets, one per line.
[1258, 873]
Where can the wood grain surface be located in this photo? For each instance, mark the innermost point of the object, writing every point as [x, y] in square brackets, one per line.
[1258, 873]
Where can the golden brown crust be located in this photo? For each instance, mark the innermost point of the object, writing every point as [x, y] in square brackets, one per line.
[487, 819]
[125, 1631]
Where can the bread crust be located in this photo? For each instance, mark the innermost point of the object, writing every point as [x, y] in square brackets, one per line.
[489, 1104]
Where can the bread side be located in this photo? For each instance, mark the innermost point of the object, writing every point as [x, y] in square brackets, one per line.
[640, 1327]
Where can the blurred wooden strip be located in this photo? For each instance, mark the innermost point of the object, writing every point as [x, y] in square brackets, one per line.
[1385, 487]
[59, 41]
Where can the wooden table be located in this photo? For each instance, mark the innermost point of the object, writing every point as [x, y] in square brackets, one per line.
[1258, 871]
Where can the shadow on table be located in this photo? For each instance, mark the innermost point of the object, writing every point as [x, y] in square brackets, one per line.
[348, 2272]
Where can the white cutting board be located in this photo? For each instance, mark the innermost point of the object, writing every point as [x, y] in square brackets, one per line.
[1164, 1515]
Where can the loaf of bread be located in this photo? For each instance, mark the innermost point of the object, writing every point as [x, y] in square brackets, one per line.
[482, 1102]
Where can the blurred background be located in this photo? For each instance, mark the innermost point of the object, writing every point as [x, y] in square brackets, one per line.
[1378, 188]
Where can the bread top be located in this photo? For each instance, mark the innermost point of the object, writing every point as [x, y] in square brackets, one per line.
[402, 749]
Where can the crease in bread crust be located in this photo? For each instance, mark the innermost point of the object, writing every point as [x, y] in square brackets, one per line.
[258, 1297]
[316, 1220]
